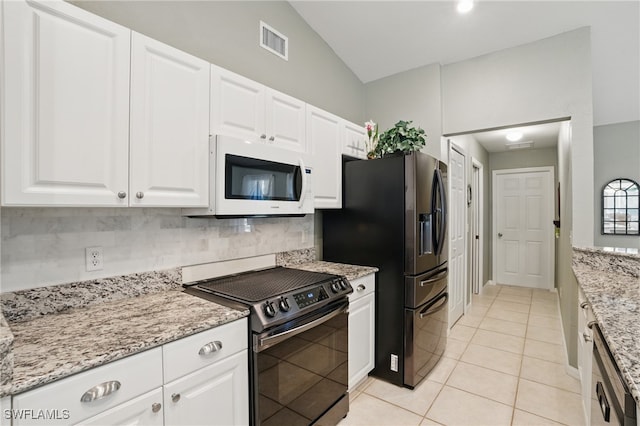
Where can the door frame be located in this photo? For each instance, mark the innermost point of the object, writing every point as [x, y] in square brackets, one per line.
[465, 300]
[477, 222]
[551, 210]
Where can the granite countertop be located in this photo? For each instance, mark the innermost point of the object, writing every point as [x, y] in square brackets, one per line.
[52, 332]
[610, 281]
[351, 272]
[44, 341]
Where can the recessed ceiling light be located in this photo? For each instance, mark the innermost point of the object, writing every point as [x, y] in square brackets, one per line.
[465, 5]
[514, 136]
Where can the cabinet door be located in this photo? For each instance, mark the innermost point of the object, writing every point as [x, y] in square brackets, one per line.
[323, 137]
[361, 338]
[285, 121]
[354, 140]
[169, 162]
[143, 410]
[65, 106]
[214, 395]
[237, 105]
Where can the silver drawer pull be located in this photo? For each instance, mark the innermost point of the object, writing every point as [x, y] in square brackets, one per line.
[210, 348]
[100, 391]
[156, 406]
[587, 337]
[584, 305]
[361, 287]
[175, 397]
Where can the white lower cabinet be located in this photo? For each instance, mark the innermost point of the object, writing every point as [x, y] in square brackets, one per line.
[206, 382]
[585, 349]
[214, 395]
[361, 329]
[143, 410]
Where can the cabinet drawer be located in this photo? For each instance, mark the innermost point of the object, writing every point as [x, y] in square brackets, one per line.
[191, 353]
[362, 286]
[60, 402]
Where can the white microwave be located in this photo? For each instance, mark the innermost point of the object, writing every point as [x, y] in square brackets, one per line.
[253, 179]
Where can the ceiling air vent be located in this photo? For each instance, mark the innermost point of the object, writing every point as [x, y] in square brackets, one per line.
[274, 41]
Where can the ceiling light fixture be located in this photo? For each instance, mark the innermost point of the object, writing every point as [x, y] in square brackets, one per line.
[514, 136]
[519, 145]
[465, 6]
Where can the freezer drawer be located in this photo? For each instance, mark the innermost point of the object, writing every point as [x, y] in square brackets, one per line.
[424, 287]
[425, 338]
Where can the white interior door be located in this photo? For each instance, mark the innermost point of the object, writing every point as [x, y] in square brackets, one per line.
[523, 234]
[457, 233]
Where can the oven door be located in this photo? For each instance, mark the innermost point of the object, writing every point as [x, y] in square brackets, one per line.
[300, 370]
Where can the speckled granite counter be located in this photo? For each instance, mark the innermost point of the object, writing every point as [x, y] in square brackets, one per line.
[50, 343]
[305, 259]
[611, 284]
[350, 271]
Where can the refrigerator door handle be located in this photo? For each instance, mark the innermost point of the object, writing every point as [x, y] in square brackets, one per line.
[437, 277]
[442, 211]
[435, 306]
[434, 211]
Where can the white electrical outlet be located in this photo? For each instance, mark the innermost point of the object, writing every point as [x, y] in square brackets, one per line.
[394, 362]
[93, 258]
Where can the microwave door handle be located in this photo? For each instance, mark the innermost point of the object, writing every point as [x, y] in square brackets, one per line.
[303, 174]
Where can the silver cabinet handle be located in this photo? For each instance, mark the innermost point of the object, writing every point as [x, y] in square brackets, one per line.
[272, 138]
[586, 336]
[140, 195]
[156, 407]
[584, 305]
[100, 391]
[361, 287]
[210, 348]
[499, 234]
[122, 194]
[175, 397]
[263, 136]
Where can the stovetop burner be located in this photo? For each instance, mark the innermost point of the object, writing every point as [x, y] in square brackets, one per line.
[256, 286]
[276, 295]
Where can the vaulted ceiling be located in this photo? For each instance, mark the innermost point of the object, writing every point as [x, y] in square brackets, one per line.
[376, 39]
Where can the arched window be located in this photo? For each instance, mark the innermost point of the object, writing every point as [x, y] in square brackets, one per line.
[620, 207]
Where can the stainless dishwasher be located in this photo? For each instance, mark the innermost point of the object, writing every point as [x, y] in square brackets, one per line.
[612, 403]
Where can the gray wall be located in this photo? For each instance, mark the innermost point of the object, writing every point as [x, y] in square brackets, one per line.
[546, 79]
[411, 95]
[226, 33]
[616, 151]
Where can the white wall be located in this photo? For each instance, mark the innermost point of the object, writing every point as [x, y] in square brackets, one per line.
[546, 79]
[411, 95]
[616, 151]
[45, 246]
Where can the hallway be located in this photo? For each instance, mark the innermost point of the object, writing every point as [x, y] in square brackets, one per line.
[504, 365]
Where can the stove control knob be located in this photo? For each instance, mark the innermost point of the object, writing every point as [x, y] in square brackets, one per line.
[335, 286]
[343, 284]
[284, 304]
[269, 310]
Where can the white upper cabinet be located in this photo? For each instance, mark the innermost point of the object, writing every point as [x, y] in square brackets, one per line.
[65, 106]
[285, 121]
[354, 140]
[237, 105]
[169, 126]
[244, 108]
[324, 132]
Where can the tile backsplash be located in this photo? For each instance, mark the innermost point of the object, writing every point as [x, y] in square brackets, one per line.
[46, 246]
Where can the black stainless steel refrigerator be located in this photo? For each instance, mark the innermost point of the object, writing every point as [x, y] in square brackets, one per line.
[394, 217]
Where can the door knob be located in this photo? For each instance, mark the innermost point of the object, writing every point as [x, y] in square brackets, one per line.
[499, 234]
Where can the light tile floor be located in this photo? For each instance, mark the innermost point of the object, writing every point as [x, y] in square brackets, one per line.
[504, 365]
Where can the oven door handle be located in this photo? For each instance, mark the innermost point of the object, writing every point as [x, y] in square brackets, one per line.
[262, 343]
